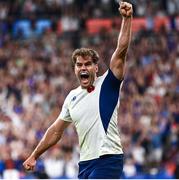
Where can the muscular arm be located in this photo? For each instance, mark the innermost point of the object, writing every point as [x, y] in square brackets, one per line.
[118, 58]
[51, 137]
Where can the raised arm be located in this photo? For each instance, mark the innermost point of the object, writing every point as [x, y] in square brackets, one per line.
[50, 138]
[118, 58]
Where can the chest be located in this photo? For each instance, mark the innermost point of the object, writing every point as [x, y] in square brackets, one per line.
[84, 106]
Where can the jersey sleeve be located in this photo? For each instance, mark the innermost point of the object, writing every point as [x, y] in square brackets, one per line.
[65, 114]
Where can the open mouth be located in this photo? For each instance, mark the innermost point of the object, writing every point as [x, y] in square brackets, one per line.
[84, 76]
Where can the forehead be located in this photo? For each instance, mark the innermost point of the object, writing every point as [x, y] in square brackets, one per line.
[81, 59]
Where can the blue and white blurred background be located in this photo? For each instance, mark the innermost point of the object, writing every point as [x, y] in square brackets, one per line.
[37, 38]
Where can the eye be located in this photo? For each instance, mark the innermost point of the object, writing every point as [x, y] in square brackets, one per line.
[78, 64]
[88, 64]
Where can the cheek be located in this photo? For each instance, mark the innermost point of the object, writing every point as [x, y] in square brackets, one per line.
[93, 69]
[76, 71]
[96, 69]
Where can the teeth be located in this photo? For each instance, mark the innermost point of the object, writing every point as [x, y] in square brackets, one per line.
[83, 73]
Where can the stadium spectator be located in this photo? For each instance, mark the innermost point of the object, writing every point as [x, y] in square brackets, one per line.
[33, 69]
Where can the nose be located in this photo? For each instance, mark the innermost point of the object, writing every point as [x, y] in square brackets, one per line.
[83, 67]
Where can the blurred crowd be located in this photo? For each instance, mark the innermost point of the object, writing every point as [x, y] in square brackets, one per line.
[101, 8]
[36, 75]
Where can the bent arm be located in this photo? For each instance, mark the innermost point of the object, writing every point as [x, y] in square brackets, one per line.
[51, 137]
[118, 58]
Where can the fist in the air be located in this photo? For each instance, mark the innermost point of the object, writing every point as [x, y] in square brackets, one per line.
[125, 9]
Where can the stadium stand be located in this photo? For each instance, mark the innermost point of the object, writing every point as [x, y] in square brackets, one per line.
[37, 38]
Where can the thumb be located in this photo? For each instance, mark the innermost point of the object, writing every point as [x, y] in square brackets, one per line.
[122, 4]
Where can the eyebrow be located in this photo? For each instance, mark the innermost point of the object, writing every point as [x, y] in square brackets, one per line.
[88, 62]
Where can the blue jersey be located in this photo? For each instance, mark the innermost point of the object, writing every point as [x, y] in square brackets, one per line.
[95, 117]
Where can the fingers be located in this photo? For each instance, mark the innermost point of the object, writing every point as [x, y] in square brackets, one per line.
[122, 4]
[125, 5]
[28, 167]
[125, 9]
[129, 13]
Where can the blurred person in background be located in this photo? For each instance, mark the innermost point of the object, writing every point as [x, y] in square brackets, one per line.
[34, 67]
[101, 154]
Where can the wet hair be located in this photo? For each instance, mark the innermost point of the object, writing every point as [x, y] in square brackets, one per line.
[84, 52]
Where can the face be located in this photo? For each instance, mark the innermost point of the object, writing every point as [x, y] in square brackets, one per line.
[85, 71]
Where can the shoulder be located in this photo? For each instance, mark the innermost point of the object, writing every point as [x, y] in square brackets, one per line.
[102, 77]
[109, 79]
[74, 91]
[109, 74]
[72, 94]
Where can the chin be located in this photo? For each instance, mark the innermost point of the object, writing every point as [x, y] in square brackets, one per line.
[84, 87]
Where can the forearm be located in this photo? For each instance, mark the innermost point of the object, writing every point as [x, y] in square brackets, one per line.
[124, 37]
[50, 138]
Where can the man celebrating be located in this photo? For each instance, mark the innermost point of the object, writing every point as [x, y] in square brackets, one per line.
[92, 107]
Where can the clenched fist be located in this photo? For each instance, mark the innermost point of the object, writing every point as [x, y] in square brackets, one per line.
[29, 164]
[125, 9]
